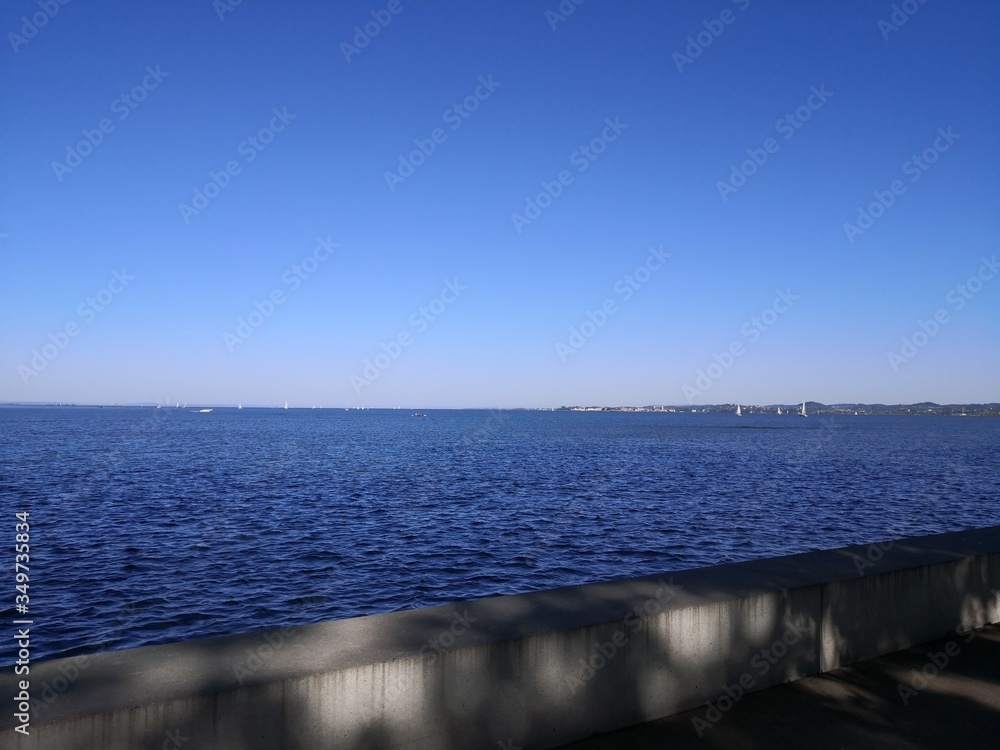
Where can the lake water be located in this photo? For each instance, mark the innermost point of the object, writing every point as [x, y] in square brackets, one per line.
[155, 525]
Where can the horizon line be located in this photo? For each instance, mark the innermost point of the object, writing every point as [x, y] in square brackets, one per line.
[685, 407]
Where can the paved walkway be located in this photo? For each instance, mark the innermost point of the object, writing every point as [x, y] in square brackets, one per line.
[853, 708]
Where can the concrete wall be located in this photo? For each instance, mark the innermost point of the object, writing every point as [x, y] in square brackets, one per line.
[529, 671]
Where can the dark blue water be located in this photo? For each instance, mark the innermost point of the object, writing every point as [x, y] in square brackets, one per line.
[150, 526]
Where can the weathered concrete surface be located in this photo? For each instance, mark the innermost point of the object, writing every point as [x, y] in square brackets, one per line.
[867, 705]
[535, 670]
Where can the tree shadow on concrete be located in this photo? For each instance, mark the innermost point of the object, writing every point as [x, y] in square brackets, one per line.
[861, 706]
[433, 685]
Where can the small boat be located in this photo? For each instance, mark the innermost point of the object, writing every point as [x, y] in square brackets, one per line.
[240, 406]
[204, 411]
[779, 411]
[802, 413]
[418, 414]
[739, 412]
[286, 404]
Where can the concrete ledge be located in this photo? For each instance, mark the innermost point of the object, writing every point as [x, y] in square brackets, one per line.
[534, 670]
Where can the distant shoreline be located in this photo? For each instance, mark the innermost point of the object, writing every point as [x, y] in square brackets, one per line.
[812, 407]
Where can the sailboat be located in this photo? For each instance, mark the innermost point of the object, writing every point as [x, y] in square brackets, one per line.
[286, 404]
[240, 406]
[802, 413]
[779, 411]
[739, 412]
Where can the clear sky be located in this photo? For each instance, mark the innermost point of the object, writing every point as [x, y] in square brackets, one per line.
[499, 204]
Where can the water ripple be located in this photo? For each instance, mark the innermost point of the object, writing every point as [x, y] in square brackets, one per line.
[149, 526]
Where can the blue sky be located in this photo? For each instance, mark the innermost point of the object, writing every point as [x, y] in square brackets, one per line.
[619, 211]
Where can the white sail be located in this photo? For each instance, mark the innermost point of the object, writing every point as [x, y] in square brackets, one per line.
[803, 412]
[739, 412]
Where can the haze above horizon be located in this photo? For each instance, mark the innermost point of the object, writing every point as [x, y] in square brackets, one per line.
[389, 203]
